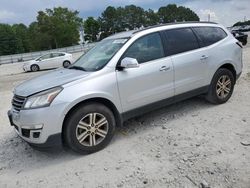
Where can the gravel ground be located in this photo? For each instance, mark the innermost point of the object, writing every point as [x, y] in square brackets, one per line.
[188, 144]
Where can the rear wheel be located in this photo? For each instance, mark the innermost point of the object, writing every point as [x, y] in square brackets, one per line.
[34, 68]
[66, 64]
[221, 87]
[89, 128]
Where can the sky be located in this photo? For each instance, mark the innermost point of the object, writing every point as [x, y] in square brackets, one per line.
[226, 12]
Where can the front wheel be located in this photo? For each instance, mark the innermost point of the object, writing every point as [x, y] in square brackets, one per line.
[66, 64]
[221, 87]
[34, 68]
[89, 128]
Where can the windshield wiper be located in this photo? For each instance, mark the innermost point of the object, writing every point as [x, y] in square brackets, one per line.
[77, 68]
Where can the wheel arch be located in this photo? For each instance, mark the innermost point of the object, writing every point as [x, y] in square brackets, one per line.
[231, 68]
[100, 100]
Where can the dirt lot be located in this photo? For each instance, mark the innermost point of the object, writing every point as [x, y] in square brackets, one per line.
[188, 144]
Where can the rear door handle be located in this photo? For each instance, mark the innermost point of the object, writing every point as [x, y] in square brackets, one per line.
[203, 57]
[164, 68]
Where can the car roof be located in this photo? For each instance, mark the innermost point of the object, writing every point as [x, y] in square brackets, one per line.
[58, 52]
[124, 34]
[53, 53]
[127, 34]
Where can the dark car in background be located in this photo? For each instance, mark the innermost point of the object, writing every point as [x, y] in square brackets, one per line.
[242, 37]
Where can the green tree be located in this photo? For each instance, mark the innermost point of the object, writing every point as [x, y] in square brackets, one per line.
[242, 23]
[8, 40]
[172, 13]
[60, 25]
[38, 40]
[134, 17]
[119, 19]
[152, 18]
[131, 17]
[91, 29]
[21, 32]
[108, 20]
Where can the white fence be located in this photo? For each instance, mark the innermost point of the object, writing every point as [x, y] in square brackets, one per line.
[32, 55]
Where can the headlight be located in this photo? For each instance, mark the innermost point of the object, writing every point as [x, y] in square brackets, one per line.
[42, 99]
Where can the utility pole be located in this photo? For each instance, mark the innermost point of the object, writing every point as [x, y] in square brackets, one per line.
[82, 33]
[208, 17]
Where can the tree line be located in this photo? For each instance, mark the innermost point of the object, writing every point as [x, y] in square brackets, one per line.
[53, 29]
[130, 17]
[59, 27]
[242, 23]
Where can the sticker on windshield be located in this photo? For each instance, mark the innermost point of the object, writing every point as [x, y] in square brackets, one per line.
[119, 41]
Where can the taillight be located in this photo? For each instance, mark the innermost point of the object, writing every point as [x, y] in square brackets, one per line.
[239, 44]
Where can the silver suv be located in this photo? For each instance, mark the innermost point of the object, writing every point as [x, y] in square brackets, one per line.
[125, 75]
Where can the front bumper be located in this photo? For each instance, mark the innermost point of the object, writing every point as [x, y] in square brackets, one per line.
[40, 127]
[26, 68]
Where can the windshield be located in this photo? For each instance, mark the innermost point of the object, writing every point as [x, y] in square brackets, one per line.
[99, 56]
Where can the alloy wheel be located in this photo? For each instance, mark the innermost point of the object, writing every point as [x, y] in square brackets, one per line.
[66, 64]
[223, 86]
[92, 129]
[34, 68]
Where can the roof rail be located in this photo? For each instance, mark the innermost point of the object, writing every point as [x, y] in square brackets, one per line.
[172, 23]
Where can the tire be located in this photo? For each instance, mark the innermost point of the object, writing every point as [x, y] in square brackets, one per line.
[83, 137]
[221, 87]
[66, 64]
[34, 68]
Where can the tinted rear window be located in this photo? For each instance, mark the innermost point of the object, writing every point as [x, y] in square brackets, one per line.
[209, 35]
[180, 40]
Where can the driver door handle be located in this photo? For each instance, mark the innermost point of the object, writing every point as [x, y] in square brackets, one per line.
[203, 57]
[164, 68]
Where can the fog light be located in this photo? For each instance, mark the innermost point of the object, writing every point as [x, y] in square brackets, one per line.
[36, 134]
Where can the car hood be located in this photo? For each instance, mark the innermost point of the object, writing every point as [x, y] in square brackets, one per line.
[49, 80]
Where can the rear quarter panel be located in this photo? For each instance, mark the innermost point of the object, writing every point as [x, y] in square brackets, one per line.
[223, 52]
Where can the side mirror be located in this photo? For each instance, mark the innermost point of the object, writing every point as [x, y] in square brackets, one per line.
[128, 62]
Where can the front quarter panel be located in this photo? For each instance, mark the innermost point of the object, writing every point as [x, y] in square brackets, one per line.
[97, 85]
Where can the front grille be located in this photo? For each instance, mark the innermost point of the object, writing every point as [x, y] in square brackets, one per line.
[17, 102]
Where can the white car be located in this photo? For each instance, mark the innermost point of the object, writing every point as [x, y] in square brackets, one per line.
[49, 61]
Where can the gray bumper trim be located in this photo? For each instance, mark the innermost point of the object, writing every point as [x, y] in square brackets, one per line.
[53, 141]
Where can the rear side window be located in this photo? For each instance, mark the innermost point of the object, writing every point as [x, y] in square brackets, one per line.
[209, 35]
[61, 54]
[47, 56]
[146, 48]
[180, 40]
[58, 54]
